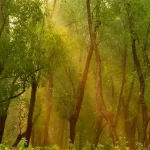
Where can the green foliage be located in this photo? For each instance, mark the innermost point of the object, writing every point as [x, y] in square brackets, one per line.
[65, 104]
[28, 48]
[121, 146]
[31, 46]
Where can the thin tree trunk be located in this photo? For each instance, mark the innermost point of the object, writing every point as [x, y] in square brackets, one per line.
[101, 103]
[145, 117]
[102, 107]
[144, 49]
[80, 94]
[18, 139]
[31, 111]
[141, 95]
[97, 132]
[27, 133]
[97, 128]
[129, 125]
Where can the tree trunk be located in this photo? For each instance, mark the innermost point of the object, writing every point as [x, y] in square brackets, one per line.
[145, 117]
[31, 111]
[101, 104]
[130, 130]
[72, 123]
[102, 107]
[144, 49]
[48, 105]
[3, 118]
[129, 125]
[62, 133]
[3, 115]
[97, 132]
[80, 94]
[27, 133]
[18, 139]
[97, 128]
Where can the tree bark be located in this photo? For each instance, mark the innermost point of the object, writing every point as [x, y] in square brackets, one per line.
[144, 49]
[62, 133]
[72, 124]
[145, 117]
[18, 139]
[101, 104]
[3, 115]
[97, 132]
[102, 107]
[3, 118]
[80, 94]
[31, 111]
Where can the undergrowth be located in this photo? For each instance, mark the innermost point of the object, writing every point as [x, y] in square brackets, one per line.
[121, 145]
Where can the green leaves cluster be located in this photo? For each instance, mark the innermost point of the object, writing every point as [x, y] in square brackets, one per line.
[28, 47]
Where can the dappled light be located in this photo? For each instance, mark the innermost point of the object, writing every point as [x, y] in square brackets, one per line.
[75, 74]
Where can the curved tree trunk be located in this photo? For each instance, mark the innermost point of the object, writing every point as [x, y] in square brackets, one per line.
[81, 89]
[101, 104]
[145, 117]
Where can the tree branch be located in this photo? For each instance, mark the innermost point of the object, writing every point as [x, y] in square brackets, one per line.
[71, 82]
[18, 139]
[17, 95]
